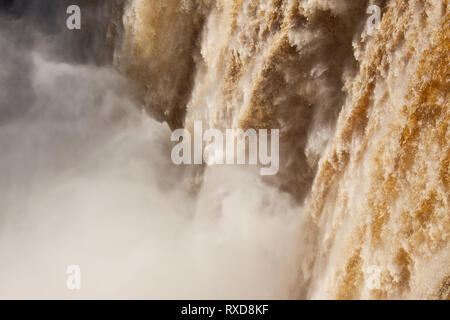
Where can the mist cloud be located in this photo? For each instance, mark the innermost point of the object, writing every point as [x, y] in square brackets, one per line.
[87, 179]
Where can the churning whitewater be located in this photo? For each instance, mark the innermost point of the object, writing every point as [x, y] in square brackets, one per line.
[358, 207]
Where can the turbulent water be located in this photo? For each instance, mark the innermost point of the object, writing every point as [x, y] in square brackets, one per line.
[364, 117]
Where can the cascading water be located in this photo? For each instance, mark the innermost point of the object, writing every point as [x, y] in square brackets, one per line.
[85, 121]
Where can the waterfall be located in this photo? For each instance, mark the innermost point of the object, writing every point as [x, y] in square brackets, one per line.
[358, 210]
